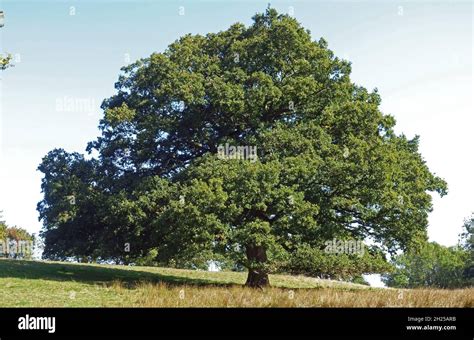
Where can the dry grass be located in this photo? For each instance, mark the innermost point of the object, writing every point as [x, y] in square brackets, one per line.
[58, 284]
[161, 295]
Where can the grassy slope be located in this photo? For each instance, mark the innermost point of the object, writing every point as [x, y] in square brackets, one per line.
[58, 284]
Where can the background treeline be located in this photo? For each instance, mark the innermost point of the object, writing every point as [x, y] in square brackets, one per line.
[15, 242]
[435, 265]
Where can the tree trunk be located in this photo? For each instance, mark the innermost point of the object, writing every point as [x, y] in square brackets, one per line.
[257, 277]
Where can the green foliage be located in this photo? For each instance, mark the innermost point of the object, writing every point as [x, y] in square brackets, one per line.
[329, 163]
[467, 243]
[72, 206]
[350, 267]
[13, 239]
[3, 228]
[5, 61]
[360, 280]
[118, 115]
[432, 265]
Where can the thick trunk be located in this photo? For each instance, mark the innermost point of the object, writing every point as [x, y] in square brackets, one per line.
[257, 277]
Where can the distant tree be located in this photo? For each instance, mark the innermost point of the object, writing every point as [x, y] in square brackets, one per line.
[14, 238]
[467, 243]
[432, 265]
[466, 239]
[329, 162]
[22, 242]
[3, 228]
[5, 62]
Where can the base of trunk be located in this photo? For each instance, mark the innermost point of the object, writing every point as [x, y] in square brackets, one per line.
[257, 279]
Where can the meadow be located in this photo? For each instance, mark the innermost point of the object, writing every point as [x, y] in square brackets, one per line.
[63, 284]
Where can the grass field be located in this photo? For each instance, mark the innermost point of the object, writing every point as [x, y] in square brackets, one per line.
[59, 284]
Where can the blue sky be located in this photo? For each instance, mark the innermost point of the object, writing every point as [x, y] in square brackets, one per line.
[418, 54]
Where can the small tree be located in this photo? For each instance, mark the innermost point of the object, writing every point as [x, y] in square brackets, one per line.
[467, 242]
[433, 265]
[17, 239]
[5, 62]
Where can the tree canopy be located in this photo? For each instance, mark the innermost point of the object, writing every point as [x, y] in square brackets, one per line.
[328, 163]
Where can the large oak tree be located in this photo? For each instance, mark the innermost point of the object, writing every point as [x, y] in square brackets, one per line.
[329, 162]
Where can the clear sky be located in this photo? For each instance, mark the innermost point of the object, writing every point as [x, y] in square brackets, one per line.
[419, 54]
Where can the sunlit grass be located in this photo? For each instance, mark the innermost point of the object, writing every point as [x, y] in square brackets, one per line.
[57, 284]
